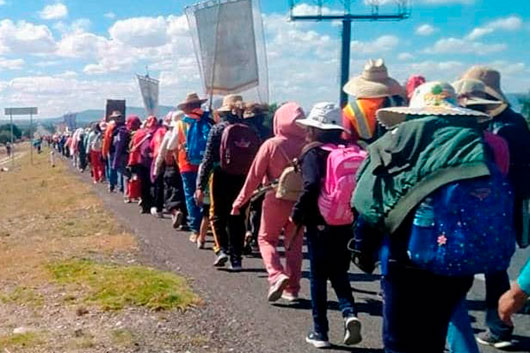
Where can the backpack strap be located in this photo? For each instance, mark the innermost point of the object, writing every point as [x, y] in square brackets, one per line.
[135, 147]
[309, 147]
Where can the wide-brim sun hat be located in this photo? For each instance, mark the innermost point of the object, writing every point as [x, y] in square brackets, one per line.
[374, 82]
[229, 102]
[191, 98]
[324, 116]
[472, 92]
[490, 77]
[431, 98]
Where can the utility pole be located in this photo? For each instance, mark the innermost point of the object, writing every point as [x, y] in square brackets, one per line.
[402, 13]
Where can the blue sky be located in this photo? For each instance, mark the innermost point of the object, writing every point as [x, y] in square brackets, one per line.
[71, 55]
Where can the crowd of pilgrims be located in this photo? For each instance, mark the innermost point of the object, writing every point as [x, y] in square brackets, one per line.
[426, 181]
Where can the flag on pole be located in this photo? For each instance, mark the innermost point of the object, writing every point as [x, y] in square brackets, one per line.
[149, 88]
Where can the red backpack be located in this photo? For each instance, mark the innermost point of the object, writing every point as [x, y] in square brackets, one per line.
[239, 145]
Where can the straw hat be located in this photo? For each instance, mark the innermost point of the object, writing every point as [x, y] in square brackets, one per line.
[472, 92]
[374, 82]
[254, 109]
[115, 115]
[432, 98]
[490, 77]
[324, 116]
[229, 102]
[191, 98]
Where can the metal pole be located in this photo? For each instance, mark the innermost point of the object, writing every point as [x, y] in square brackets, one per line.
[31, 137]
[345, 60]
[12, 142]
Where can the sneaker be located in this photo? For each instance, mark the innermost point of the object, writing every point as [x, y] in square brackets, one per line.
[487, 338]
[277, 288]
[290, 297]
[221, 259]
[200, 244]
[155, 213]
[176, 219]
[235, 266]
[317, 340]
[127, 200]
[193, 237]
[184, 228]
[352, 331]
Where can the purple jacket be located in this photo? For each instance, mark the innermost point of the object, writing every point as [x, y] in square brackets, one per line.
[120, 143]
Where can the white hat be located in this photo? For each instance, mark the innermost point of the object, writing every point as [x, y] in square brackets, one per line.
[324, 116]
[431, 98]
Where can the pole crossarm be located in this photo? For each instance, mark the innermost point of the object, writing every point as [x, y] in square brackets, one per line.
[351, 17]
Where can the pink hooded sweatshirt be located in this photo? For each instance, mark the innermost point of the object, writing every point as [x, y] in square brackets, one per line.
[269, 163]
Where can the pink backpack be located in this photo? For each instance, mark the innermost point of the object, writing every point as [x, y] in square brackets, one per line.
[339, 183]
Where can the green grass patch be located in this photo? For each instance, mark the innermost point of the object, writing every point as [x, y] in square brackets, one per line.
[114, 287]
[22, 296]
[22, 340]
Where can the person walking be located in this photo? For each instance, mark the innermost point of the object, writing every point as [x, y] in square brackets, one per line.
[326, 244]
[93, 148]
[192, 132]
[276, 154]
[118, 153]
[230, 144]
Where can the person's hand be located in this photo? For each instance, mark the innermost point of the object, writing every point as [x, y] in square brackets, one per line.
[235, 212]
[199, 197]
[511, 302]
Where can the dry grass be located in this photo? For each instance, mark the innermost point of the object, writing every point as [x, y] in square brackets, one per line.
[49, 221]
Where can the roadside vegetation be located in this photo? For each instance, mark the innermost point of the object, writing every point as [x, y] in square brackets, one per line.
[72, 278]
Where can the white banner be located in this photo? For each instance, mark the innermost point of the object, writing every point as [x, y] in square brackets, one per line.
[149, 88]
[229, 45]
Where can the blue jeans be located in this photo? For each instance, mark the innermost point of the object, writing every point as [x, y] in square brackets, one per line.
[117, 179]
[496, 285]
[107, 169]
[417, 308]
[189, 181]
[460, 336]
[329, 258]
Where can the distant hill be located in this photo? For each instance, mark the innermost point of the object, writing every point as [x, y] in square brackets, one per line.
[88, 116]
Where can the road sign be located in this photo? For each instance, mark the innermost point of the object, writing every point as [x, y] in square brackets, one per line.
[21, 111]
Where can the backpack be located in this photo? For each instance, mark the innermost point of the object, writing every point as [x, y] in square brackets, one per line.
[290, 183]
[465, 227]
[97, 143]
[239, 145]
[196, 132]
[339, 183]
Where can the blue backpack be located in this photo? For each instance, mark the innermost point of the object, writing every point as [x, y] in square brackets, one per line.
[197, 137]
[465, 227]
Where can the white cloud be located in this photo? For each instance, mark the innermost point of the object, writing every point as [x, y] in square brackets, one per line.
[79, 25]
[380, 45]
[54, 12]
[511, 23]
[508, 68]
[25, 38]
[81, 45]
[463, 46]
[2, 2]
[11, 64]
[304, 9]
[110, 15]
[405, 56]
[141, 32]
[425, 30]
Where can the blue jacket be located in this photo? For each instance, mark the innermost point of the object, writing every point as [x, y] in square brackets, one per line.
[524, 278]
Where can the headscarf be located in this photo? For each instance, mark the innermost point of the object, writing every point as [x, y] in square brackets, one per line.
[133, 123]
[414, 82]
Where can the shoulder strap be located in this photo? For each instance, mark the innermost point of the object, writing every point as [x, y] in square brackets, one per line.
[310, 146]
[284, 154]
[135, 147]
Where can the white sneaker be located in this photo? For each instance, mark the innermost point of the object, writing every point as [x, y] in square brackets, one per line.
[276, 290]
[290, 297]
[155, 212]
[352, 331]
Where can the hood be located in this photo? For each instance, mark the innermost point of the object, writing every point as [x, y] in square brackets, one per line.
[133, 123]
[285, 121]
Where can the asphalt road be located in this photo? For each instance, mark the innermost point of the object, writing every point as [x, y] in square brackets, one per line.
[240, 299]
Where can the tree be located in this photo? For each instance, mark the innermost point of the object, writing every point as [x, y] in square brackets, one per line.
[17, 133]
[5, 137]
